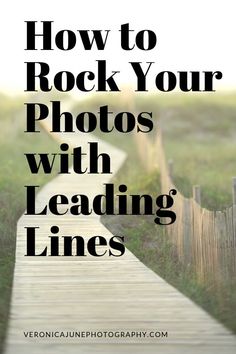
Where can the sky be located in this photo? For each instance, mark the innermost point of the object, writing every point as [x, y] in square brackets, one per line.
[191, 36]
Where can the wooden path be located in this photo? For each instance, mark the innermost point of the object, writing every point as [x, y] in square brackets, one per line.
[99, 294]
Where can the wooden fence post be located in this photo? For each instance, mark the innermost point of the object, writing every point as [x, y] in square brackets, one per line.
[197, 194]
[234, 190]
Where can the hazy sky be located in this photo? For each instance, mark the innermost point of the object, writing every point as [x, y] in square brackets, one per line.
[191, 35]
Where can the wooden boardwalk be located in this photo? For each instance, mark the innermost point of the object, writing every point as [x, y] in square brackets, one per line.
[67, 294]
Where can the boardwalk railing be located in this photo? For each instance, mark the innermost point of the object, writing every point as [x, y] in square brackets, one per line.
[204, 239]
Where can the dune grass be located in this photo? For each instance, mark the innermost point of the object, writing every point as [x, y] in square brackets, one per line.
[201, 140]
[199, 136]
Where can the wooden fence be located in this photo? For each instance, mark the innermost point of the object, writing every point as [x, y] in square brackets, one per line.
[204, 239]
